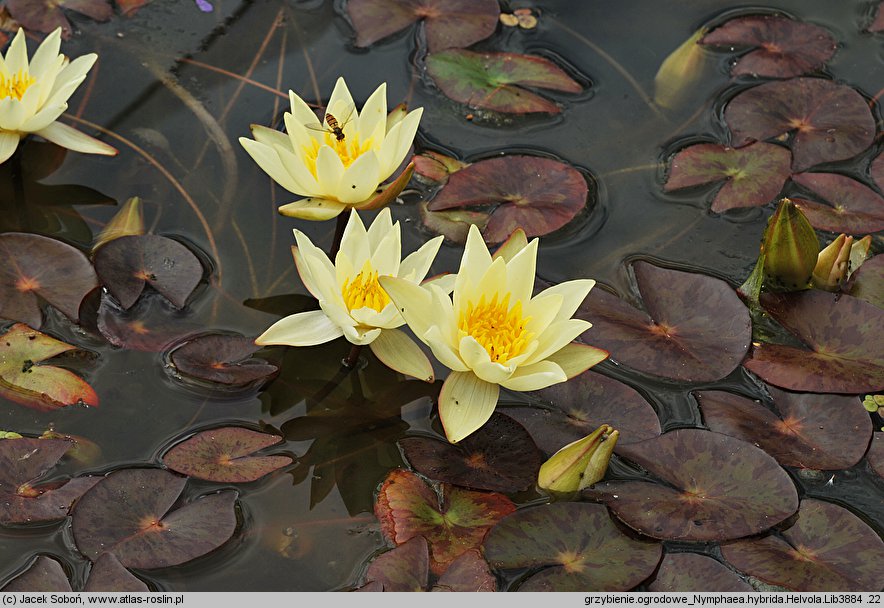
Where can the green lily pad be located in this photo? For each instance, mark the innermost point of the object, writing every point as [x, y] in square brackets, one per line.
[714, 488]
[682, 572]
[867, 283]
[842, 350]
[850, 207]
[573, 547]
[827, 549]
[753, 175]
[497, 81]
[453, 522]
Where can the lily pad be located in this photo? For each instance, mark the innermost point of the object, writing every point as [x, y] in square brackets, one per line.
[752, 175]
[830, 121]
[877, 24]
[468, 573]
[127, 263]
[435, 167]
[783, 47]
[842, 350]
[695, 329]
[448, 23]
[681, 572]
[46, 16]
[576, 546]
[876, 170]
[852, 207]
[22, 462]
[580, 406]
[147, 326]
[454, 225]
[867, 282]
[223, 359]
[128, 514]
[496, 81]
[225, 455]
[714, 488]
[42, 387]
[109, 575]
[40, 266]
[405, 567]
[500, 456]
[44, 575]
[537, 194]
[811, 431]
[827, 549]
[453, 522]
[876, 454]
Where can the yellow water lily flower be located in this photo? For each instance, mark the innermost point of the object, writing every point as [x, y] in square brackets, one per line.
[492, 332]
[337, 164]
[352, 302]
[33, 94]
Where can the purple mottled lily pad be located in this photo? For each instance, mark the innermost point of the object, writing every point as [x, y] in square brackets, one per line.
[830, 121]
[38, 266]
[467, 573]
[811, 431]
[752, 175]
[128, 514]
[876, 454]
[577, 545]
[695, 329]
[126, 264]
[496, 81]
[827, 549]
[715, 487]
[44, 575]
[867, 283]
[46, 16]
[222, 359]
[225, 455]
[583, 404]
[537, 194]
[851, 207]
[147, 326]
[783, 47]
[681, 572]
[24, 461]
[500, 456]
[403, 568]
[109, 575]
[876, 170]
[842, 352]
[453, 524]
[448, 23]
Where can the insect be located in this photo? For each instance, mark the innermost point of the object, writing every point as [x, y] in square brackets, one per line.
[334, 127]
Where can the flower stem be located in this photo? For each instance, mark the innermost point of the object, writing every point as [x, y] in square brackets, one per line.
[353, 358]
[339, 234]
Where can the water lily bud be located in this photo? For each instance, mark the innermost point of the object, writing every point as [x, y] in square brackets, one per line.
[579, 464]
[790, 249]
[859, 253]
[833, 264]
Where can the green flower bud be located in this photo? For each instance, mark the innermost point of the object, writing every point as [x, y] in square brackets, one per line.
[790, 249]
[579, 464]
[833, 264]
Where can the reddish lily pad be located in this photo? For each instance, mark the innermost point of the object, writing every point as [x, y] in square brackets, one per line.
[44, 575]
[46, 16]
[578, 546]
[453, 522]
[830, 121]
[852, 207]
[39, 266]
[454, 225]
[128, 514]
[583, 404]
[405, 567]
[448, 23]
[42, 387]
[109, 575]
[876, 169]
[695, 329]
[716, 488]
[500, 456]
[877, 24]
[126, 264]
[681, 572]
[225, 455]
[496, 81]
[811, 431]
[842, 352]
[223, 359]
[148, 326]
[22, 462]
[468, 573]
[827, 549]
[537, 194]
[867, 282]
[876, 454]
[435, 167]
[783, 47]
[753, 175]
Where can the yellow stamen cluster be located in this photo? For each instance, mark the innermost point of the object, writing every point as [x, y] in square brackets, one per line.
[497, 327]
[15, 85]
[365, 291]
[347, 149]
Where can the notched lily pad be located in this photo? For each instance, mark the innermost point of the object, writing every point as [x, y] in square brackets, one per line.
[783, 47]
[695, 329]
[827, 549]
[573, 546]
[682, 572]
[223, 359]
[853, 208]
[537, 194]
[829, 121]
[435, 167]
[46, 16]
[843, 351]
[109, 575]
[496, 81]
[44, 575]
[753, 175]
[225, 455]
[714, 488]
[148, 326]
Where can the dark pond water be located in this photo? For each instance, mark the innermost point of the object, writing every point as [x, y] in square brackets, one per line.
[169, 93]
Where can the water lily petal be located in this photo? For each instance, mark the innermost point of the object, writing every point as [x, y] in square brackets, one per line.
[270, 137]
[417, 264]
[557, 335]
[341, 104]
[382, 224]
[575, 358]
[305, 180]
[413, 302]
[478, 360]
[465, 404]
[359, 180]
[12, 114]
[269, 161]
[17, 53]
[42, 118]
[374, 112]
[354, 242]
[573, 293]
[514, 243]
[329, 172]
[46, 56]
[304, 272]
[388, 318]
[301, 329]
[542, 310]
[312, 209]
[444, 282]
[68, 137]
[361, 335]
[520, 272]
[443, 350]
[69, 78]
[8, 143]
[535, 377]
[299, 136]
[385, 259]
[473, 264]
[301, 111]
[398, 352]
[397, 143]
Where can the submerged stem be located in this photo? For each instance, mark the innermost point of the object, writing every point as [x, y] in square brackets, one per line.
[350, 361]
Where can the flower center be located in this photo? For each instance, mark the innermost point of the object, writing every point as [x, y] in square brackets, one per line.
[347, 149]
[364, 290]
[15, 85]
[497, 327]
